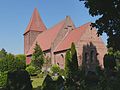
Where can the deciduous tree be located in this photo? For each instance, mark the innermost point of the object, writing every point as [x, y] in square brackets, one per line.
[108, 21]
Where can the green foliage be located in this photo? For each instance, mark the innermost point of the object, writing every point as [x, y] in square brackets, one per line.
[109, 61]
[3, 79]
[71, 68]
[109, 20]
[62, 72]
[38, 57]
[3, 53]
[74, 61]
[60, 83]
[55, 69]
[31, 70]
[68, 64]
[9, 63]
[21, 58]
[19, 80]
[71, 62]
[48, 83]
[3, 65]
[12, 63]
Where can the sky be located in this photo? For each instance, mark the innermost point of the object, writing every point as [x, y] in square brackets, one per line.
[15, 16]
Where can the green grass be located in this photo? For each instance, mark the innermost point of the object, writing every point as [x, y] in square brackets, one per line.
[37, 82]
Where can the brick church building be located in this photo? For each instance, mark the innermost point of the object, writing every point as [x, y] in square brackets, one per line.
[57, 40]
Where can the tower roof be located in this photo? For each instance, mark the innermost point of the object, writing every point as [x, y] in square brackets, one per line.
[36, 23]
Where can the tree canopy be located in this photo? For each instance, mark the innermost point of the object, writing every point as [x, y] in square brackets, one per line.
[109, 20]
[38, 57]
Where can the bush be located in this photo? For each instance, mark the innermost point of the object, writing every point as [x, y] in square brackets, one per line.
[21, 61]
[109, 61]
[19, 80]
[62, 72]
[48, 83]
[55, 69]
[41, 75]
[31, 70]
[91, 78]
[60, 82]
[3, 79]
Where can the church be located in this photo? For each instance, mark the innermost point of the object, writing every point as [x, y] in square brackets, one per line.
[55, 41]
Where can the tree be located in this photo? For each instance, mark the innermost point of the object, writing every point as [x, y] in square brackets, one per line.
[109, 61]
[68, 64]
[109, 20]
[38, 57]
[71, 62]
[3, 53]
[71, 68]
[9, 63]
[74, 58]
[21, 58]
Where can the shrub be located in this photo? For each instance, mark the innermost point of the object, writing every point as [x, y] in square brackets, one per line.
[60, 82]
[19, 80]
[40, 75]
[48, 83]
[31, 70]
[55, 69]
[62, 72]
[3, 79]
[109, 61]
[91, 78]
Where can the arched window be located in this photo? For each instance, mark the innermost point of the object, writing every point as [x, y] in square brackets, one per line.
[86, 57]
[62, 55]
[92, 56]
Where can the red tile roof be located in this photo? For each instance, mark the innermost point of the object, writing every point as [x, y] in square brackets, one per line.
[73, 36]
[36, 23]
[46, 38]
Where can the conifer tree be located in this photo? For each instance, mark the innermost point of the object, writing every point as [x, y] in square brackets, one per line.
[68, 64]
[74, 60]
[71, 67]
[38, 57]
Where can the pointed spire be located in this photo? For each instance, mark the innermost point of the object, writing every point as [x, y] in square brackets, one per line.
[36, 23]
[69, 22]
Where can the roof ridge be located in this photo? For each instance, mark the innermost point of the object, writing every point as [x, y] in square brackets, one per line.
[35, 23]
[57, 24]
[62, 40]
[73, 31]
[45, 32]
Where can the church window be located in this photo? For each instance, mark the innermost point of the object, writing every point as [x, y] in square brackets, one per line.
[92, 56]
[86, 57]
[62, 55]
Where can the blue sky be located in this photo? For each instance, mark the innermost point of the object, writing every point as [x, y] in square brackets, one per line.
[15, 16]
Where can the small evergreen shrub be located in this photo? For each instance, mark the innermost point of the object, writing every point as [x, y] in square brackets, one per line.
[31, 70]
[55, 69]
[62, 72]
[19, 80]
[48, 83]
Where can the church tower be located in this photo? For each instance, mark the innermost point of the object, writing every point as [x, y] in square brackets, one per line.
[34, 28]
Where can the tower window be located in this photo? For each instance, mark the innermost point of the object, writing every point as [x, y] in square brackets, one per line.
[86, 57]
[92, 56]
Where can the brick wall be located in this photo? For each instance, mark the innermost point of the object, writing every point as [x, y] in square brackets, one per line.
[29, 38]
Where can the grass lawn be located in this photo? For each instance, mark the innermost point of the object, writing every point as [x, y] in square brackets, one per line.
[37, 82]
